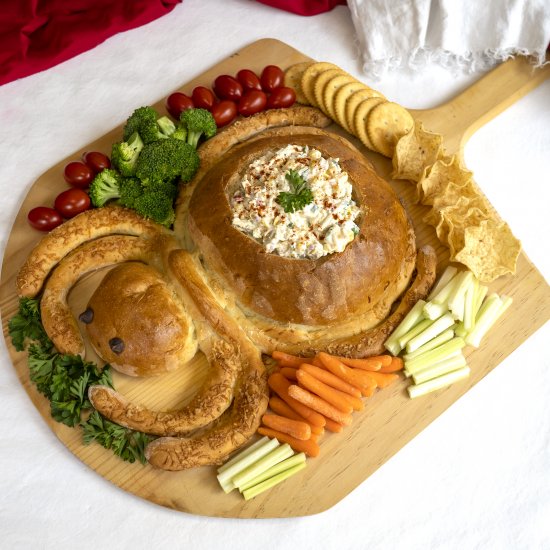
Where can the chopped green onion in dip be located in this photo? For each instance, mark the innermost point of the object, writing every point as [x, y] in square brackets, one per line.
[321, 227]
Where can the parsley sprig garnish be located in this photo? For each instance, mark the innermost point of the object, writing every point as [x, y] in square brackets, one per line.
[127, 444]
[65, 380]
[300, 195]
[27, 324]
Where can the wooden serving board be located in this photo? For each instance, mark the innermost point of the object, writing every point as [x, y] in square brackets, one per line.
[390, 418]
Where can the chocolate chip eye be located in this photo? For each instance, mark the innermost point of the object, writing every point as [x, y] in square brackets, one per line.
[116, 345]
[87, 316]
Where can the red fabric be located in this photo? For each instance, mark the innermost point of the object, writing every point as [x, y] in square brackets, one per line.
[304, 7]
[38, 34]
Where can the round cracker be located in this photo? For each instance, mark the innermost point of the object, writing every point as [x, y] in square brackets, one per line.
[293, 79]
[353, 102]
[386, 123]
[320, 83]
[340, 99]
[331, 89]
[361, 118]
[309, 77]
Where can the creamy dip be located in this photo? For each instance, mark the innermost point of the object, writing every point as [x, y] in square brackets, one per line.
[325, 225]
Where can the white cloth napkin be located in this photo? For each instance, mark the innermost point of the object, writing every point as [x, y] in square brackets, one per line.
[462, 34]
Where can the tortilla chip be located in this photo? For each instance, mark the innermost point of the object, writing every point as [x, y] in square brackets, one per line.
[415, 152]
[439, 175]
[489, 251]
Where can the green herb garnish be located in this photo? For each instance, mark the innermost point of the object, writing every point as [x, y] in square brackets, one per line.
[300, 195]
[27, 324]
[65, 379]
[126, 444]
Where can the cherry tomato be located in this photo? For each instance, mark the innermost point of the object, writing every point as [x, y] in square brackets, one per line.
[44, 218]
[203, 98]
[249, 80]
[224, 112]
[72, 202]
[78, 174]
[281, 97]
[252, 102]
[178, 102]
[272, 77]
[226, 87]
[96, 161]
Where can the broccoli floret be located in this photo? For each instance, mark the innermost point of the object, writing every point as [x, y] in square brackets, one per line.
[156, 206]
[166, 126]
[124, 154]
[105, 187]
[130, 190]
[139, 119]
[165, 161]
[198, 122]
[190, 163]
[170, 189]
[144, 122]
[180, 133]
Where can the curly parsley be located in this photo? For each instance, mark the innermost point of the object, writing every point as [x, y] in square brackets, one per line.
[65, 379]
[127, 444]
[27, 324]
[300, 196]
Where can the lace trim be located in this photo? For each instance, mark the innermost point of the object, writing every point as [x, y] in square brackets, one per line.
[468, 62]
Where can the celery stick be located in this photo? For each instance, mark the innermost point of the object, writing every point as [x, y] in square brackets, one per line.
[460, 330]
[443, 367]
[480, 296]
[434, 311]
[437, 341]
[433, 330]
[243, 453]
[255, 469]
[434, 355]
[442, 297]
[417, 390]
[456, 299]
[417, 329]
[409, 373]
[490, 311]
[469, 305]
[411, 319]
[274, 470]
[446, 276]
[226, 477]
[272, 481]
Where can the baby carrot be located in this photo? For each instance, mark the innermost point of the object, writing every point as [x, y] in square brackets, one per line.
[289, 373]
[374, 363]
[338, 399]
[332, 426]
[330, 379]
[357, 378]
[309, 447]
[320, 405]
[280, 385]
[316, 362]
[295, 428]
[286, 359]
[277, 405]
[395, 365]
[383, 379]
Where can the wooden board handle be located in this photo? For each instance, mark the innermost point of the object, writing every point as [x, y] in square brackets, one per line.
[482, 101]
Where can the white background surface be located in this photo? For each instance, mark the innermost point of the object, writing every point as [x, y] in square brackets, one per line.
[478, 477]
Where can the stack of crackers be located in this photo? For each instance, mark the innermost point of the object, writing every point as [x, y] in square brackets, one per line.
[462, 216]
[360, 110]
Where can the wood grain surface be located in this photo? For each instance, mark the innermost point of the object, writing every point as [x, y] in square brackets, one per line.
[390, 418]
